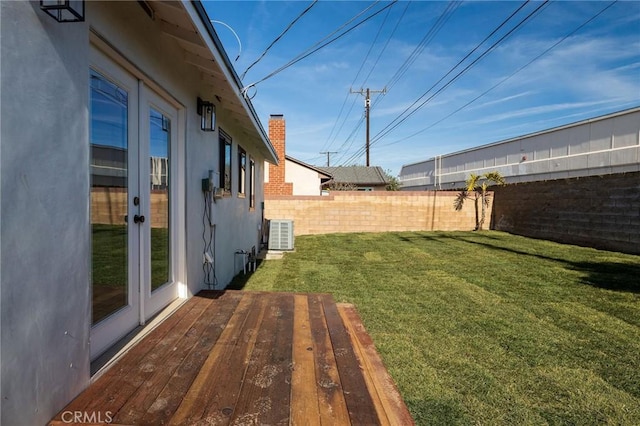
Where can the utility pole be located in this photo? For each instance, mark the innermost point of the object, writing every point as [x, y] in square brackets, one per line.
[328, 154]
[367, 107]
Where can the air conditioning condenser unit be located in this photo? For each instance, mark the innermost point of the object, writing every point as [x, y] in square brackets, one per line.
[280, 234]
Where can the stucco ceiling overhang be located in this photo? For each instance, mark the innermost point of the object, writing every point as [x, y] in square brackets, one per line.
[187, 22]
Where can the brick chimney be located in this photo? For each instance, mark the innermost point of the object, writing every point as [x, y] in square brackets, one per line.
[276, 184]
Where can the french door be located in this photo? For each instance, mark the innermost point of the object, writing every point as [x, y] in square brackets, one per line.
[133, 141]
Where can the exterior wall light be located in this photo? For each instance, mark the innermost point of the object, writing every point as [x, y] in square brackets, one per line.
[64, 10]
[207, 111]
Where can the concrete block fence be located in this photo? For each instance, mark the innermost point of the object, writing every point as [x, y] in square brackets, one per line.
[109, 206]
[594, 211]
[353, 211]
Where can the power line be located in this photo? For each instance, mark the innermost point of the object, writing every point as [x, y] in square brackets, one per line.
[335, 136]
[508, 77]
[344, 148]
[387, 43]
[306, 54]
[328, 156]
[391, 126]
[371, 46]
[329, 141]
[278, 38]
[400, 119]
[428, 37]
[362, 12]
[312, 160]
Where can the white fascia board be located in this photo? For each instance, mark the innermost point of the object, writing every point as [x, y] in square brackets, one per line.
[200, 20]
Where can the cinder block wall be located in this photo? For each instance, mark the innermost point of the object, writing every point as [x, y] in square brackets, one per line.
[597, 211]
[109, 207]
[373, 212]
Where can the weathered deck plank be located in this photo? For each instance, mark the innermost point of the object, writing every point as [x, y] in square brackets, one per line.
[361, 408]
[147, 394]
[389, 404]
[264, 398]
[178, 386]
[333, 407]
[304, 398]
[124, 378]
[235, 342]
[237, 357]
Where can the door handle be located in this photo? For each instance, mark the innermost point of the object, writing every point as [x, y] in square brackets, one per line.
[138, 219]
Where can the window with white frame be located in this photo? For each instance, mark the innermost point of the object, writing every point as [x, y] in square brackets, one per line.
[252, 183]
[225, 162]
[242, 171]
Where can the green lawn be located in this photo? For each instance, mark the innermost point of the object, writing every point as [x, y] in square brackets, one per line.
[485, 328]
[109, 266]
[109, 255]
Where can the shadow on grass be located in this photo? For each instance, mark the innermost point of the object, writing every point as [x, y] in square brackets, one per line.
[617, 276]
[610, 275]
[440, 237]
[240, 281]
[436, 237]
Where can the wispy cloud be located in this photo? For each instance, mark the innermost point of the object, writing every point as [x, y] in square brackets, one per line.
[537, 110]
[504, 99]
[585, 67]
[595, 71]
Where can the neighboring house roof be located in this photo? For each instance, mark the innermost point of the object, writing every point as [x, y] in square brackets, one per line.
[357, 175]
[324, 173]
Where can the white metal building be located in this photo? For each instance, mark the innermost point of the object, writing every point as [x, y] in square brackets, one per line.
[599, 146]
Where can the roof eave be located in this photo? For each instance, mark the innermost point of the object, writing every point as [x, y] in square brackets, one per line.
[309, 166]
[201, 21]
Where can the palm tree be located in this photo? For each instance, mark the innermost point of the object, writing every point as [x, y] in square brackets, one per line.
[478, 184]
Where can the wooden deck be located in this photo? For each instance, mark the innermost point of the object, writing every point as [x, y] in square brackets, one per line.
[248, 358]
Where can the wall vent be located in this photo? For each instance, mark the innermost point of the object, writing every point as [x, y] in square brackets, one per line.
[280, 234]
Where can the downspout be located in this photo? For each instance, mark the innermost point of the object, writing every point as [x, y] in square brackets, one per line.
[437, 161]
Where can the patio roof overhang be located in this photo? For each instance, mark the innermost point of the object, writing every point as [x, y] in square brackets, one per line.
[188, 23]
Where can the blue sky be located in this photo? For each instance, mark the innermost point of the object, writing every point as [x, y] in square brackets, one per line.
[592, 72]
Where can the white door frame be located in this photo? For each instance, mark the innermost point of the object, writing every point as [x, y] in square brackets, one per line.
[142, 303]
[152, 302]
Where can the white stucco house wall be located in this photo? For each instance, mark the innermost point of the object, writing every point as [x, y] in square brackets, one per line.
[306, 179]
[102, 166]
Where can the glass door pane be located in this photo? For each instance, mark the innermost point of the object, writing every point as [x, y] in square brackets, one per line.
[109, 195]
[160, 185]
